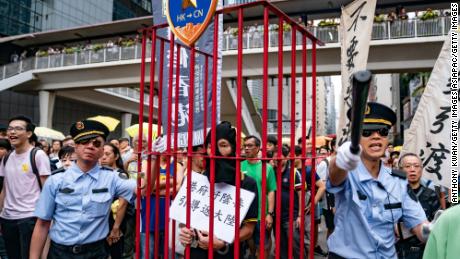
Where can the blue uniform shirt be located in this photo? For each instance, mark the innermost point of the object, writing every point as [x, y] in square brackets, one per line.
[364, 221]
[79, 203]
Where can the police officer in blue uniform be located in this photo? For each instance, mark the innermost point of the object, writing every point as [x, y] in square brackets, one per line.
[370, 198]
[78, 200]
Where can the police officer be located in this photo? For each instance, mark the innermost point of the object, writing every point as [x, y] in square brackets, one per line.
[370, 198]
[78, 200]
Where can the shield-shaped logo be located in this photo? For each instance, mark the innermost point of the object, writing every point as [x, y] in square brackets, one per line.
[188, 19]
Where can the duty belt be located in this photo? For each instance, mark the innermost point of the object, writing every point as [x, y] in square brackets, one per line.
[78, 249]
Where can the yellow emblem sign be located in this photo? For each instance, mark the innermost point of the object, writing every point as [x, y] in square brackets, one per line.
[188, 19]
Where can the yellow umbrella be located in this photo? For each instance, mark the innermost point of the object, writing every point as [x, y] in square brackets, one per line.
[134, 129]
[44, 132]
[108, 121]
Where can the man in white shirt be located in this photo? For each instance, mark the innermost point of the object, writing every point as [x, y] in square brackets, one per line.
[22, 187]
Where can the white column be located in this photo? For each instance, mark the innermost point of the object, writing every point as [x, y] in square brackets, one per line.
[46, 104]
[125, 122]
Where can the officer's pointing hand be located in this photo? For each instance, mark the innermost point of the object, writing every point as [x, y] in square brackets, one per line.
[346, 160]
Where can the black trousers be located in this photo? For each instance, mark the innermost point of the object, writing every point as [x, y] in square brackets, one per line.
[97, 250]
[17, 234]
[284, 247]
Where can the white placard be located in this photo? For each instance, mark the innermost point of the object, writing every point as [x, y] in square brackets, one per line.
[428, 135]
[224, 206]
[356, 29]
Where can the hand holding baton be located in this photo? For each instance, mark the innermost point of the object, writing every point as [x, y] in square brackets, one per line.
[361, 83]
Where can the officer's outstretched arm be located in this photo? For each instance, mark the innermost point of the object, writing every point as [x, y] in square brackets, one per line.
[418, 231]
[342, 163]
[336, 175]
[39, 238]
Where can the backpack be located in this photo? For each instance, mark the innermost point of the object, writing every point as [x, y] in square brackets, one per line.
[330, 198]
[33, 154]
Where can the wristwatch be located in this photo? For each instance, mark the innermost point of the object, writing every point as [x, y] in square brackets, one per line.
[224, 250]
[271, 213]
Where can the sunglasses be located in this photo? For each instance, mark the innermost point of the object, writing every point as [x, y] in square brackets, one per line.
[382, 132]
[96, 142]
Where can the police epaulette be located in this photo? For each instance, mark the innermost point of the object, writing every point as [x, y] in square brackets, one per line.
[398, 173]
[106, 168]
[57, 171]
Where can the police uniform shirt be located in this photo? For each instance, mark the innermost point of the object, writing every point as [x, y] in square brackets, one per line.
[79, 203]
[367, 210]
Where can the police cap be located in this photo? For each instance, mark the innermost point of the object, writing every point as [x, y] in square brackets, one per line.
[87, 129]
[377, 115]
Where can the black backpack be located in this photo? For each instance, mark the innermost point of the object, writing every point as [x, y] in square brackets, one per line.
[33, 154]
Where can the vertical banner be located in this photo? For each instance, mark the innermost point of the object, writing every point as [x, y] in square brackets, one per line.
[429, 132]
[355, 30]
[205, 44]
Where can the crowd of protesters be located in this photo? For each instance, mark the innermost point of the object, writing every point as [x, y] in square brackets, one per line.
[30, 168]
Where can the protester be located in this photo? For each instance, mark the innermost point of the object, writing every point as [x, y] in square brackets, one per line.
[130, 163]
[125, 149]
[68, 141]
[78, 200]
[67, 157]
[286, 178]
[408, 245]
[56, 145]
[272, 143]
[5, 148]
[370, 198]
[3, 131]
[160, 188]
[45, 146]
[320, 188]
[115, 142]
[122, 216]
[443, 240]
[253, 167]
[328, 201]
[24, 171]
[225, 170]
[198, 167]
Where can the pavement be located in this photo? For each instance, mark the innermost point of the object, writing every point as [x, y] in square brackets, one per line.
[321, 241]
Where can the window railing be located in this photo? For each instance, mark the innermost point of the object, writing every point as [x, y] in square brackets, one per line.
[330, 34]
[412, 28]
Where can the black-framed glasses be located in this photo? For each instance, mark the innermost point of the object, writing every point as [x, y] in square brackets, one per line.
[382, 132]
[96, 142]
[15, 129]
[249, 146]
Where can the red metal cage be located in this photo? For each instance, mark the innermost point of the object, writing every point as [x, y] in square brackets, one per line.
[158, 43]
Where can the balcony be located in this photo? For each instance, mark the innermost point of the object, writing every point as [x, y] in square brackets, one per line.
[412, 28]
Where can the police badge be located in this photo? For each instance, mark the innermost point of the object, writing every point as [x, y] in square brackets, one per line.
[188, 19]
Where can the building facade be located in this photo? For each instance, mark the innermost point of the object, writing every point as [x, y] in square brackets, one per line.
[27, 16]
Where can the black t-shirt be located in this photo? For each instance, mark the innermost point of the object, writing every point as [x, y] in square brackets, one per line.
[248, 184]
[285, 187]
[428, 199]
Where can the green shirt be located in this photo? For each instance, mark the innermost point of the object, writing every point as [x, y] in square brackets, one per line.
[255, 172]
[443, 242]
